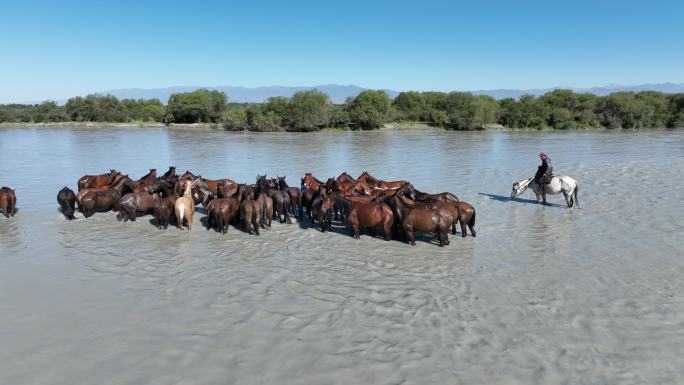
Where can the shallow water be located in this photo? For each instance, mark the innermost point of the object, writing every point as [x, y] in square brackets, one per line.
[543, 294]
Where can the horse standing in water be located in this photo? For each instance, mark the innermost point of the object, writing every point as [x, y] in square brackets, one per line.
[281, 199]
[95, 181]
[294, 192]
[185, 206]
[67, 202]
[104, 200]
[8, 201]
[557, 185]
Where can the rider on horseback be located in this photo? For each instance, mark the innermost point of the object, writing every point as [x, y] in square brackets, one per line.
[544, 172]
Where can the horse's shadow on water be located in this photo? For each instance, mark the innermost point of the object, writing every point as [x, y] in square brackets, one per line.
[504, 198]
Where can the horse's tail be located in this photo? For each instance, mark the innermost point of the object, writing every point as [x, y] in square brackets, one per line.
[471, 222]
[264, 212]
[575, 200]
[8, 204]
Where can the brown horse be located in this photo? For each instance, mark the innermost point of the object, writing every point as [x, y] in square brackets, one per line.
[67, 202]
[466, 216]
[82, 192]
[294, 192]
[170, 175]
[164, 207]
[104, 200]
[414, 217]
[220, 212]
[266, 204]
[132, 203]
[310, 182]
[321, 209]
[410, 192]
[364, 213]
[371, 181]
[8, 201]
[213, 184]
[281, 199]
[95, 181]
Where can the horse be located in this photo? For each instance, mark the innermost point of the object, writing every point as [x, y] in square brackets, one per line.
[415, 217]
[310, 182]
[321, 209]
[365, 177]
[294, 192]
[220, 212]
[104, 200]
[164, 206]
[8, 201]
[266, 203]
[367, 214]
[464, 212]
[184, 205]
[213, 184]
[558, 184]
[132, 203]
[95, 181]
[82, 192]
[250, 210]
[170, 175]
[281, 199]
[67, 202]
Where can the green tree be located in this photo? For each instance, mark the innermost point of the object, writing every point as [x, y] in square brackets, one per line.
[198, 106]
[308, 111]
[370, 109]
[410, 105]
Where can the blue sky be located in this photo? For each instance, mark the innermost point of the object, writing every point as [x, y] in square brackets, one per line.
[57, 49]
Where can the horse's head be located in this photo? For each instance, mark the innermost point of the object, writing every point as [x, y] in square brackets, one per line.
[519, 187]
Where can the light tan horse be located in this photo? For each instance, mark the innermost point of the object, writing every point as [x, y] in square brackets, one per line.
[185, 206]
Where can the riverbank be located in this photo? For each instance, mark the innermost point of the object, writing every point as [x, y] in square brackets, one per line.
[393, 126]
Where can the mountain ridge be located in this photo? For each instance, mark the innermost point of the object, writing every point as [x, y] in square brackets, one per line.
[339, 93]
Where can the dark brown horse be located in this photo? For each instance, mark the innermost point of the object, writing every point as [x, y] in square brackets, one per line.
[266, 204]
[95, 181]
[170, 175]
[8, 201]
[164, 207]
[117, 179]
[67, 202]
[410, 192]
[145, 183]
[466, 217]
[220, 212]
[321, 209]
[132, 203]
[281, 199]
[364, 213]
[434, 218]
[104, 200]
[294, 192]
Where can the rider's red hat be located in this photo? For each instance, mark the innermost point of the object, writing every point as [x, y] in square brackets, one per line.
[543, 154]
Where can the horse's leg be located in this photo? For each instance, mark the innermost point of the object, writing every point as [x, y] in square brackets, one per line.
[453, 225]
[287, 215]
[462, 222]
[387, 227]
[567, 199]
[410, 236]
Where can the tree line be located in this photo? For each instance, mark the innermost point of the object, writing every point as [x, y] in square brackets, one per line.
[312, 110]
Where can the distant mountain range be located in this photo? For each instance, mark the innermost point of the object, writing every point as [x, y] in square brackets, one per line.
[339, 93]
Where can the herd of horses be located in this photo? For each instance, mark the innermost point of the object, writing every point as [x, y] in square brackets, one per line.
[391, 209]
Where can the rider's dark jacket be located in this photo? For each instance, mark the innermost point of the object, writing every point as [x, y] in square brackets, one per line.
[544, 172]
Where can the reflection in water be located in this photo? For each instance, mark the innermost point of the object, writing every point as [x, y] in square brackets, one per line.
[543, 294]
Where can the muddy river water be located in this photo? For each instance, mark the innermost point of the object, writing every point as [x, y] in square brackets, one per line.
[543, 295]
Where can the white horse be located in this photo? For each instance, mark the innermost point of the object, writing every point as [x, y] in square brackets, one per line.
[558, 184]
